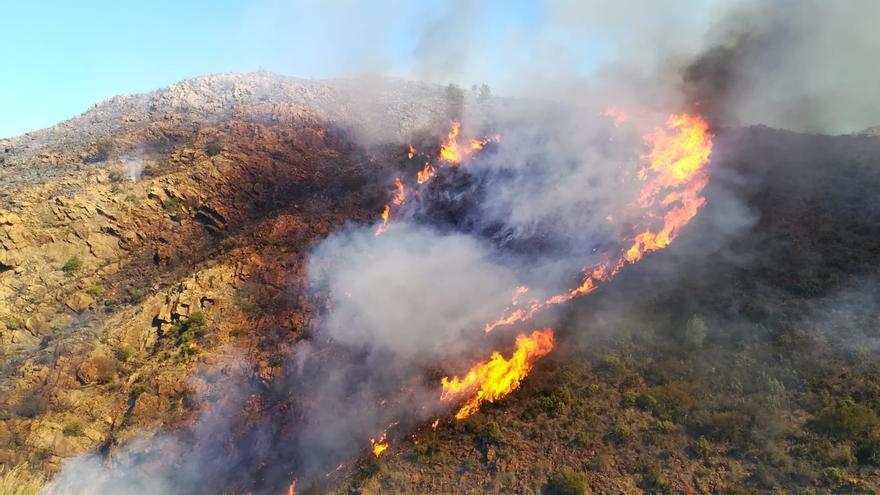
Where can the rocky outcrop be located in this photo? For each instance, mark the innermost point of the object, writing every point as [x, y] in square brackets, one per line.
[196, 203]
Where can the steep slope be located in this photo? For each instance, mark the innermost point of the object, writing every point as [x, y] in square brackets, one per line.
[154, 230]
[750, 367]
[161, 235]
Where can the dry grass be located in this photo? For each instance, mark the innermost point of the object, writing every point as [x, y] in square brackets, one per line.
[20, 481]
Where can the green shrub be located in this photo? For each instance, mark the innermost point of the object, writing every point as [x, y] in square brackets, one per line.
[173, 204]
[72, 266]
[582, 439]
[103, 150]
[151, 170]
[73, 429]
[427, 448]
[95, 290]
[32, 405]
[491, 434]
[655, 480]
[567, 481]
[848, 420]
[117, 174]
[666, 426]
[133, 295]
[703, 447]
[551, 402]
[190, 329]
[369, 469]
[123, 354]
[213, 147]
[834, 476]
[621, 433]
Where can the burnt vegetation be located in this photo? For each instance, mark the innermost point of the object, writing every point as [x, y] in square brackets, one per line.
[726, 374]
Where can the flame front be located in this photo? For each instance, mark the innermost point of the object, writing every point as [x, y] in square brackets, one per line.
[380, 445]
[425, 174]
[452, 152]
[493, 379]
[399, 192]
[675, 175]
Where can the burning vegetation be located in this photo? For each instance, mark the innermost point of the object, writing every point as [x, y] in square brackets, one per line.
[674, 173]
[497, 377]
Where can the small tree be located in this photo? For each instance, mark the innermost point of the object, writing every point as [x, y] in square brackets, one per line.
[485, 93]
[454, 101]
[103, 150]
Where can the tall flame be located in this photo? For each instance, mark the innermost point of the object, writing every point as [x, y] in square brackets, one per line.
[454, 153]
[676, 173]
[497, 377]
[399, 193]
[386, 213]
[425, 174]
[449, 151]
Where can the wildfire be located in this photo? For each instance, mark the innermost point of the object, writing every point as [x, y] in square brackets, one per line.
[399, 193]
[675, 174]
[380, 445]
[449, 151]
[386, 213]
[452, 152]
[493, 379]
[425, 173]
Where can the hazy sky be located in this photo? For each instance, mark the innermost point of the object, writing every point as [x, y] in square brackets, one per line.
[59, 57]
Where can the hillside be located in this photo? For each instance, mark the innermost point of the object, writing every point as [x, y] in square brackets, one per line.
[158, 236]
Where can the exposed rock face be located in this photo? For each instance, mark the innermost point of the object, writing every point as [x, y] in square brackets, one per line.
[196, 201]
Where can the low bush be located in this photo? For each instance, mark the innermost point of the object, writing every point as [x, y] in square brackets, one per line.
[567, 481]
[73, 429]
[72, 266]
[655, 480]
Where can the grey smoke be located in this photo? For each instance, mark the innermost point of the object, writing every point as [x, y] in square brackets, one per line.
[418, 295]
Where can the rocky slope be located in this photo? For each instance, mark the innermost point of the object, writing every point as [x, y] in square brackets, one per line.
[120, 225]
[158, 233]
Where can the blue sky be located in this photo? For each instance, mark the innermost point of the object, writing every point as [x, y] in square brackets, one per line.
[59, 57]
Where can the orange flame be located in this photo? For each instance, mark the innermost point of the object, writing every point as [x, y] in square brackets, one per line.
[425, 174]
[677, 167]
[454, 153]
[380, 445]
[449, 151]
[676, 173]
[399, 193]
[386, 213]
[497, 377]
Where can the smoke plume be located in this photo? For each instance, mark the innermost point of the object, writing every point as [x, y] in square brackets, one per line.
[548, 200]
